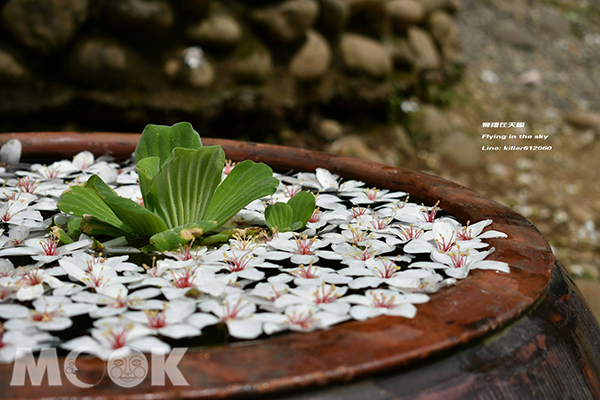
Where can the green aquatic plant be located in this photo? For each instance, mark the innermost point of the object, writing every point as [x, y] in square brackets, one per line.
[180, 180]
[293, 215]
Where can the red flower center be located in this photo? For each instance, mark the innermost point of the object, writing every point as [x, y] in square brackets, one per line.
[49, 246]
[303, 320]
[237, 264]
[156, 319]
[232, 311]
[185, 279]
[304, 245]
[325, 294]
[383, 301]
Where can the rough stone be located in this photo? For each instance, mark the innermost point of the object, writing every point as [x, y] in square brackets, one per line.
[427, 56]
[430, 6]
[99, 61]
[287, 21]
[44, 25]
[445, 33]
[330, 129]
[312, 60]
[368, 17]
[511, 33]
[252, 62]
[366, 6]
[10, 69]
[402, 141]
[354, 146]
[404, 13]
[554, 23]
[202, 76]
[365, 55]
[216, 30]
[172, 67]
[583, 119]
[189, 67]
[333, 16]
[442, 27]
[533, 77]
[460, 149]
[428, 123]
[401, 51]
[143, 17]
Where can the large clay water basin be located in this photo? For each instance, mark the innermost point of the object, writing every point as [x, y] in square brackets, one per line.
[476, 306]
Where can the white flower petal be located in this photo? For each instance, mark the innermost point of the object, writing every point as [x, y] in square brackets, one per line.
[10, 311]
[178, 331]
[362, 313]
[248, 328]
[202, 320]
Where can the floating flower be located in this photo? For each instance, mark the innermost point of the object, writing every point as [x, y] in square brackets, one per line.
[95, 274]
[18, 212]
[357, 255]
[458, 263]
[378, 302]
[178, 284]
[382, 270]
[46, 249]
[169, 320]
[325, 297]
[253, 281]
[309, 275]
[51, 313]
[112, 334]
[374, 195]
[117, 299]
[304, 318]
[475, 232]
[243, 265]
[299, 249]
[443, 238]
[32, 282]
[239, 315]
[12, 343]
[264, 294]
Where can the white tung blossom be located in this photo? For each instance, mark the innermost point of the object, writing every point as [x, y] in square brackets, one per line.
[355, 259]
[378, 302]
[117, 334]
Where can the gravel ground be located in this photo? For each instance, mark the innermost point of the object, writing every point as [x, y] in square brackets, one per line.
[534, 62]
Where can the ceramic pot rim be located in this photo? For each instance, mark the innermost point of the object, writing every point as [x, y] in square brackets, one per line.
[476, 306]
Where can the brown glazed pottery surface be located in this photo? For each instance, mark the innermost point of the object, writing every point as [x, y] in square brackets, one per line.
[480, 304]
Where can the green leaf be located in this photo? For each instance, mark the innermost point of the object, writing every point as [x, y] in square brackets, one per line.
[182, 190]
[82, 201]
[247, 182]
[147, 169]
[143, 221]
[73, 227]
[160, 140]
[224, 236]
[216, 238]
[172, 238]
[296, 225]
[303, 206]
[94, 226]
[61, 235]
[279, 216]
[96, 245]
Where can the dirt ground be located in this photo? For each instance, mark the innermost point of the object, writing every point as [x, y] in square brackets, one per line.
[535, 62]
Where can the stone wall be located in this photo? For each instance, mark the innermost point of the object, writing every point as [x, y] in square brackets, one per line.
[234, 68]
